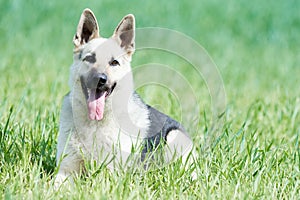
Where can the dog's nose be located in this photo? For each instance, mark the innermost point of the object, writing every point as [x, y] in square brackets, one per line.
[102, 79]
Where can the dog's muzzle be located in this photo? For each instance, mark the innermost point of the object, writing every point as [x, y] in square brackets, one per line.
[97, 80]
[96, 90]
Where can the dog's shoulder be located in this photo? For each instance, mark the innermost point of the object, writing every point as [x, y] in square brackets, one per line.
[65, 126]
[138, 111]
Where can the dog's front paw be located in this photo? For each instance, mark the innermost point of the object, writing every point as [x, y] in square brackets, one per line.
[60, 179]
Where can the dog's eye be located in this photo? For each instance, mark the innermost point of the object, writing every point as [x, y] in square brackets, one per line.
[114, 63]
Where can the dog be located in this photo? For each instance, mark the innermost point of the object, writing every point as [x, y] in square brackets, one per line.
[102, 117]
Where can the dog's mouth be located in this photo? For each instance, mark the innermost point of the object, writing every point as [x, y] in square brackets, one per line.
[95, 97]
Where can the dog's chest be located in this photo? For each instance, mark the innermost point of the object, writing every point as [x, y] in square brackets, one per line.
[104, 139]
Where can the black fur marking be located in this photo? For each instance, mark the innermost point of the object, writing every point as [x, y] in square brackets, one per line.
[160, 126]
[90, 58]
[83, 86]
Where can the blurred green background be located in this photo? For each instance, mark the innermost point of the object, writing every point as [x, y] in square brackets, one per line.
[254, 44]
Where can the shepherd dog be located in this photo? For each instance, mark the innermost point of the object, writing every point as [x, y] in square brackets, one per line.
[102, 117]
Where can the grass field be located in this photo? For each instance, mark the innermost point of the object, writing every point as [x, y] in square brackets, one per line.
[255, 151]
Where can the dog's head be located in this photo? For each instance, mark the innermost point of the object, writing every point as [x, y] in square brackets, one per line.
[99, 63]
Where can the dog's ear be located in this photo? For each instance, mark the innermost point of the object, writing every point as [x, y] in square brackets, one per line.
[87, 28]
[125, 33]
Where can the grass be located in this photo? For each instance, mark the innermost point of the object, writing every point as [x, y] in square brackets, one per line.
[255, 153]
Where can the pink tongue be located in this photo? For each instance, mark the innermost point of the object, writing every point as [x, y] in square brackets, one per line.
[96, 107]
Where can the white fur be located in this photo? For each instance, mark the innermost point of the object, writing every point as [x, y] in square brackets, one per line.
[81, 138]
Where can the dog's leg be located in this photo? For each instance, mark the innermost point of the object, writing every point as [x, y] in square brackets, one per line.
[182, 146]
[69, 166]
[69, 160]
